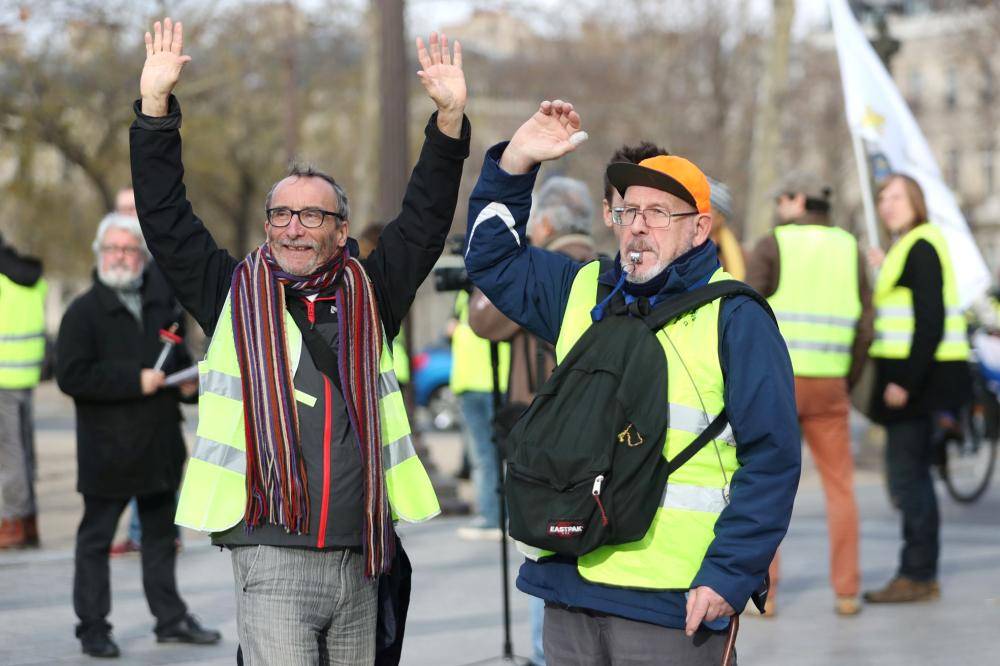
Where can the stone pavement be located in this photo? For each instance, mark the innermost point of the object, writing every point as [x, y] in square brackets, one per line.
[455, 613]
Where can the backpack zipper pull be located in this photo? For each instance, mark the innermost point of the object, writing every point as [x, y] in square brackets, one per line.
[596, 492]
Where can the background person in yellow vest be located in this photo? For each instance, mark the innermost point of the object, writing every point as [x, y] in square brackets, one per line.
[815, 280]
[303, 457]
[472, 382]
[730, 251]
[667, 598]
[921, 361]
[128, 432]
[22, 351]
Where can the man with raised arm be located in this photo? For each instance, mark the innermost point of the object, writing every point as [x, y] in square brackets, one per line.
[303, 459]
[668, 597]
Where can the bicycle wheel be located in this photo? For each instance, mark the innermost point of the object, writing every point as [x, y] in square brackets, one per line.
[969, 459]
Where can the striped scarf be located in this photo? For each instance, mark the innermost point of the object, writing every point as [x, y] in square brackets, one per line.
[277, 492]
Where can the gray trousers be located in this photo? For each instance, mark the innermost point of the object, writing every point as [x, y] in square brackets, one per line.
[17, 454]
[301, 607]
[576, 638]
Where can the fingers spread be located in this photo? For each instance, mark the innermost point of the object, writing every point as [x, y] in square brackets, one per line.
[422, 55]
[157, 37]
[435, 49]
[178, 42]
[148, 38]
[445, 53]
[458, 54]
[168, 33]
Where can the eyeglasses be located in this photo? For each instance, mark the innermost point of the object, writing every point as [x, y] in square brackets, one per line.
[310, 218]
[655, 218]
[127, 250]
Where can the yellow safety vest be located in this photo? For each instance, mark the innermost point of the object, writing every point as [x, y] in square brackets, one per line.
[817, 303]
[894, 320]
[400, 359]
[213, 493]
[671, 553]
[22, 333]
[471, 366]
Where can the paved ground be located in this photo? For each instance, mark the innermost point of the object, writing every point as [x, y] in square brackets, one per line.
[455, 615]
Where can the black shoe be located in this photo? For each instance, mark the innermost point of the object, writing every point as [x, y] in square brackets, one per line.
[187, 630]
[99, 644]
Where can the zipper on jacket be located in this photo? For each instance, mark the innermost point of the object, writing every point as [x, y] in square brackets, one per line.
[311, 307]
[327, 434]
[311, 312]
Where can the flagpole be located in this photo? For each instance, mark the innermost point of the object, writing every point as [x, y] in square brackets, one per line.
[867, 198]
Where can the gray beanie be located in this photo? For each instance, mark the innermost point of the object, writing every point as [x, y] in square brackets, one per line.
[722, 198]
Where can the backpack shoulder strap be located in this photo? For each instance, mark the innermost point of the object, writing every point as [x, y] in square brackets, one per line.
[713, 430]
[694, 299]
[607, 263]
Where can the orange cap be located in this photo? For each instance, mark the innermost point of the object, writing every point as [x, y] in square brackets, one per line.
[669, 173]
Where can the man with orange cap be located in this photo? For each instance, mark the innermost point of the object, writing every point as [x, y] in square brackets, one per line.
[669, 596]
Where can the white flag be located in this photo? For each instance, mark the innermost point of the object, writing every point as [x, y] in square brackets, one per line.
[877, 113]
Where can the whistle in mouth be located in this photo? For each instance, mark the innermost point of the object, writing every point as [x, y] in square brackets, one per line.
[635, 257]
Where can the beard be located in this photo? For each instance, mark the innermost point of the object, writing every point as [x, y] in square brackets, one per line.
[640, 273]
[120, 276]
[298, 263]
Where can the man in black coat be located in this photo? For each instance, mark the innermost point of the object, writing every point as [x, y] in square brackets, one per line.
[129, 441]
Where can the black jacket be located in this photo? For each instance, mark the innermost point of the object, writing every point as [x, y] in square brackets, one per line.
[932, 385]
[200, 273]
[126, 444]
[21, 269]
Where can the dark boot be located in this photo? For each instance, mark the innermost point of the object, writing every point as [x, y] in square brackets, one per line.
[901, 590]
[187, 630]
[31, 531]
[98, 643]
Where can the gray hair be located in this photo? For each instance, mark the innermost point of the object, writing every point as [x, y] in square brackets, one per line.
[297, 170]
[119, 221]
[567, 203]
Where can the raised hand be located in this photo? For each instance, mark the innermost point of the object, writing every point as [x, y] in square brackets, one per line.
[444, 81]
[547, 135]
[163, 66]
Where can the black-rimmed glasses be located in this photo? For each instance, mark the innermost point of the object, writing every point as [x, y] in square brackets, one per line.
[308, 217]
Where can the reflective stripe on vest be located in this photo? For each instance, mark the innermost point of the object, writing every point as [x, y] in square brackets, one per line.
[670, 554]
[817, 303]
[22, 333]
[894, 318]
[213, 494]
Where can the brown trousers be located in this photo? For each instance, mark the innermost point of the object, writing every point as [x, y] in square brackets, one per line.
[823, 405]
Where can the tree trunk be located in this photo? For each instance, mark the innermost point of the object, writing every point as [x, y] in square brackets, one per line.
[767, 123]
[393, 113]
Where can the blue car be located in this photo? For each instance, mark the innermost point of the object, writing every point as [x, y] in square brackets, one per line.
[437, 406]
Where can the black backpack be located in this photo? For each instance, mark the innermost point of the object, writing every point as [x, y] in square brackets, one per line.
[585, 466]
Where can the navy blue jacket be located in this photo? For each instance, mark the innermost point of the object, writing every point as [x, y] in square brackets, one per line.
[531, 286]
